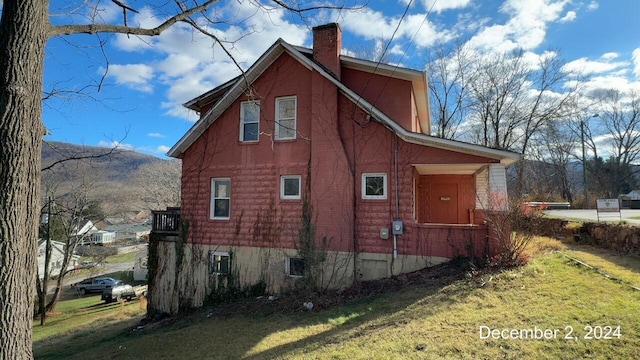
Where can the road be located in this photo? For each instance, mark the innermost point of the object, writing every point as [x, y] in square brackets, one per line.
[625, 215]
[106, 268]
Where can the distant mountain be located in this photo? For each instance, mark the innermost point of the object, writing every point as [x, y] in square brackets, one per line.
[122, 181]
[116, 165]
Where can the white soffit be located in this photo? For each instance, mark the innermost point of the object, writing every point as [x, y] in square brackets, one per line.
[449, 169]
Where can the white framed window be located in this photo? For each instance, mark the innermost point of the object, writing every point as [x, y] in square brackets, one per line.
[249, 121]
[220, 198]
[374, 186]
[290, 187]
[295, 266]
[219, 262]
[286, 118]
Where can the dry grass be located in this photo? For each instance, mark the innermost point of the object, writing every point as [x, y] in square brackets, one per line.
[418, 322]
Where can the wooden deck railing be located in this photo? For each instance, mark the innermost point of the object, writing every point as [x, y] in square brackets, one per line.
[166, 221]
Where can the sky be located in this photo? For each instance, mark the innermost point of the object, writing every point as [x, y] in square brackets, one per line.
[128, 91]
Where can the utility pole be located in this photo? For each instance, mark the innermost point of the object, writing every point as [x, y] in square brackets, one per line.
[47, 260]
[584, 162]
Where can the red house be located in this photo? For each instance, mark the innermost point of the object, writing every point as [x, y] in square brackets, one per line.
[312, 144]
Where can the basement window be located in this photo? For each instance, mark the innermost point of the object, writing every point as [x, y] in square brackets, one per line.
[374, 186]
[219, 263]
[296, 267]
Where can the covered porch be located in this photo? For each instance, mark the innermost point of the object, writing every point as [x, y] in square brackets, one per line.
[450, 201]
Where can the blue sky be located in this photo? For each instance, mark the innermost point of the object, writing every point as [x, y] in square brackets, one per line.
[145, 81]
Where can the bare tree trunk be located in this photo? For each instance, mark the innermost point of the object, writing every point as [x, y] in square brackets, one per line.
[22, 40]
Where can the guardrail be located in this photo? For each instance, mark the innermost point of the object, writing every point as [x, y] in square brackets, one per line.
[546, 205]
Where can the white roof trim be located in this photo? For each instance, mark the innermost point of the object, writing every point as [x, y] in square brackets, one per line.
[506, 157]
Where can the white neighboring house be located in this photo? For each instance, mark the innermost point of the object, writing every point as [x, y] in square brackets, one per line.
[140, 266]
[101, 237]
[132, 232]
[57, 257]
[83, 230]
[84, 227]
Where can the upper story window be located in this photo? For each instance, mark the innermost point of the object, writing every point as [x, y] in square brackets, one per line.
[374, 186]
[285, 118]
[290, 187]
[249, 120]
[220, 199]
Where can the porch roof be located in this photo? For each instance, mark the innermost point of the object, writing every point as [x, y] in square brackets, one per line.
[449, 169]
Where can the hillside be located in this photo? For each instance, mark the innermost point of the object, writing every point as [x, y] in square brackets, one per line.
[120, 180]
[118, 166]
[438, 313]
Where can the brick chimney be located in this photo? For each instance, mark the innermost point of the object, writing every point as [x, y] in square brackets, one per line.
[327, 43]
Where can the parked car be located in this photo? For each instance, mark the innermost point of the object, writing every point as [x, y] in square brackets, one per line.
[86, 265]
[118, 293]
[96, 285]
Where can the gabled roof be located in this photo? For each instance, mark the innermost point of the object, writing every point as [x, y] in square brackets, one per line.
[241, 84]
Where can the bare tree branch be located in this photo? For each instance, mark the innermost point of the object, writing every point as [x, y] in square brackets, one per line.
[55, 30]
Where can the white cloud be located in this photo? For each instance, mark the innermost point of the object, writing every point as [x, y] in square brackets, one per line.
[526, 28]
[636, 62]
[414, 27]
[586, 66]
[163, 149]
[189, 63]
[439, 6]
[116, 144]
[155, 135]
[610, 55]
[569, 17]
[593, 6]
[134, 76]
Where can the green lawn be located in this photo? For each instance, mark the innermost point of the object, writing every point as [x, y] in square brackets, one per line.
[420, 322]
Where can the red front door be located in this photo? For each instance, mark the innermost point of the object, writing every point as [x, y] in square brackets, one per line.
[443, 203]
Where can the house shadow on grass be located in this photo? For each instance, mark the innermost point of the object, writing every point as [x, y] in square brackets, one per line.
[393, 303]
[280, 328]
[263, 329]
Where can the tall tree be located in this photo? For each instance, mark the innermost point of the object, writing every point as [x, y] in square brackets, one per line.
[160, 183]
[24, 31]
[513, 99]
[449, 71]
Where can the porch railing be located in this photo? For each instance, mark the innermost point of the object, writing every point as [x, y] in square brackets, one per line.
[166, 221]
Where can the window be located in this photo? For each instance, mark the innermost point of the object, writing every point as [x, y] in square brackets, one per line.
[374, 186]
[296, 267]
[285, 118]
[219, 262]
[249, 120]
[220, 198]
[290, 187]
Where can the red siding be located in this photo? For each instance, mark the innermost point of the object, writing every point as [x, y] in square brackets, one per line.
[254, 168]
[392, 96]
[339, 142]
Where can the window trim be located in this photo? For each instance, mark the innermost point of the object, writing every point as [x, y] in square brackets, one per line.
[213, 199]
[212, 254]
[277, 126]
[287, 266]
[290, 197]
[243, 123]
[384, 186]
